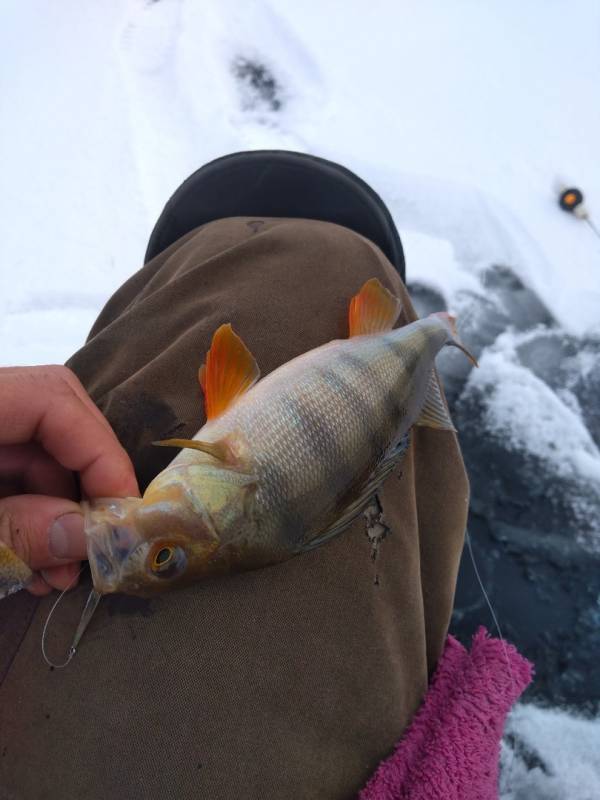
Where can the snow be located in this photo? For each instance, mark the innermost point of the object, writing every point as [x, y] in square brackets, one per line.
[461, 116]
[438, 266]
[525, 410]
[562, 751]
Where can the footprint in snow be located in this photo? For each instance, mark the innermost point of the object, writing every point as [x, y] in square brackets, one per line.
[259, 89]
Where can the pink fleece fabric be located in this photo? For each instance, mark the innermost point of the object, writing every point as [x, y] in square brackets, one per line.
[451, 750]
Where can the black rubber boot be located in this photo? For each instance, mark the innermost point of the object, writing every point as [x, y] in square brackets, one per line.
[277, 183]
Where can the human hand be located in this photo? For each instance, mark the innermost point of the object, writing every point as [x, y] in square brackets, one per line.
[49, 430]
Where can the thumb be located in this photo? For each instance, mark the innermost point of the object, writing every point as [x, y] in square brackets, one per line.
[44, 532]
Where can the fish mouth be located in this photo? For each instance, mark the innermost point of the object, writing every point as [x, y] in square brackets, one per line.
[111, 537]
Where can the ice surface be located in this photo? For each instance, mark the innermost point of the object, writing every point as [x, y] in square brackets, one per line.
[571, 366]
[460, 117]
[540, 452]
[526, 411]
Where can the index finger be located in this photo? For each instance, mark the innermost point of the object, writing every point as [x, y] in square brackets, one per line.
[40, 404]
[69, 376]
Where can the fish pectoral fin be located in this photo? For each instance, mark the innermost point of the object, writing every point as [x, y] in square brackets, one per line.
[230, 371]
[373, 310]
[218, 450]
[434, 413]
[359, 503]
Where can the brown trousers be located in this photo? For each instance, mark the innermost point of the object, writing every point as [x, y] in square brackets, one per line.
[290, 682]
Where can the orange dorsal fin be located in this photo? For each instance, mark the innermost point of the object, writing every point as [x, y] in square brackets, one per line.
[373, 310]
[230, 370]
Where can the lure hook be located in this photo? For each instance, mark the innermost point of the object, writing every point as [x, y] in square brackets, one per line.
[88, 611]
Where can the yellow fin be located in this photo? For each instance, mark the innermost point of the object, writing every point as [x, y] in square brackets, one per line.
[217, 450]
[230, 370]
[434, 413]
[373, 310]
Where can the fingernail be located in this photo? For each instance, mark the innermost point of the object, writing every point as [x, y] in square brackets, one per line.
[66, 538]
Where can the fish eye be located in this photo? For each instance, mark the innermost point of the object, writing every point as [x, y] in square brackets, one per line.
[163, 557]
[167, 560]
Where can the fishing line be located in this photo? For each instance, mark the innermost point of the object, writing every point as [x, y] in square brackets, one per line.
[592, 226]
[90, 607]
[482, 587]
[510, 774]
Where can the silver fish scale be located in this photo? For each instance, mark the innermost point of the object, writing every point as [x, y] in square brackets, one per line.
[318, 424]
[322, 422]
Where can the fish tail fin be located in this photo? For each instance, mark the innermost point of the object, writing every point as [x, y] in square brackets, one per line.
[449, 321]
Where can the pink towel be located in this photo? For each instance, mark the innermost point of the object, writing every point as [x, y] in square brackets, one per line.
[451, 750]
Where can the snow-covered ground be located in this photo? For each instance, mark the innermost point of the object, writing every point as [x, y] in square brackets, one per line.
[461, 115]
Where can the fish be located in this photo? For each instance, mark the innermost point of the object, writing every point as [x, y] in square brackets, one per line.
[14, 573]
[283, 464]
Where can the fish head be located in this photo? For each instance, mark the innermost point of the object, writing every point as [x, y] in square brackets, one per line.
[168, 537]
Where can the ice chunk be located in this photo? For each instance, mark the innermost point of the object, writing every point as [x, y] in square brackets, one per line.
[568, 364]
[529, 415]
